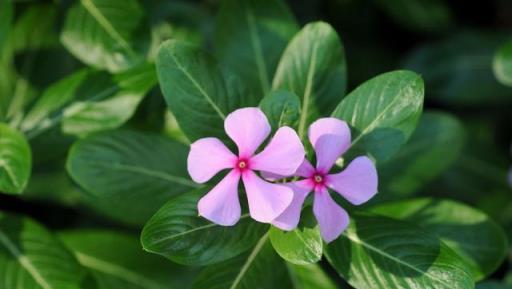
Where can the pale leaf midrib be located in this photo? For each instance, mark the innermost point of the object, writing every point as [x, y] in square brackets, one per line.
[24, 261]
[249, 261]
[307, 92]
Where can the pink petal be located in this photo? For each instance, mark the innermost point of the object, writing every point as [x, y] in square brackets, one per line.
[289, 219]
[282, 156]
[221, 204]
[357, 183]
[266, 200]
[328, 148]
[330, 125]
[207, 157]
[332, 219]
[248, 128]
[305, 169]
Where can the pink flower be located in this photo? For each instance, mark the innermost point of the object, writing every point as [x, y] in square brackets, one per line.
[330, 138]
[248, 128]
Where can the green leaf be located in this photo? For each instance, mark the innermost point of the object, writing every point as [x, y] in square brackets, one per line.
[282, 108]
[89, 101]
[250, 37]
[503, 64]
[35, 29]
[196, 91]
[310, 277]
[383, 113]
[458, 70]
[130, 173]
[300, 246]
[6, 15]
[377, 252]
[178, 233]
[15, 160]
[31, 257]
[313, 67]
[261, 268]
[116, 260]
[492, 285]
[107, 34]
[433, 147]
[421, 15]
[476, 238]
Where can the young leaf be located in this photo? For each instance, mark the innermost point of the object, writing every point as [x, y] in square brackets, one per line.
[116, 260]
[383, 113]
[195, 90]
[309, 277]
[15, 160]
[130, 172]
[378, 252]
[282, 108]
[480, 242]
[107, 34]
[503, 64]
[432, 148]
[31, 257]
[313, 67]
[300, 246]
[250, 37]
[178, 233]
[261, 268]
[89, 101]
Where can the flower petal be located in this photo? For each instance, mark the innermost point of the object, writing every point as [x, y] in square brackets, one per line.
[282, 156]
[330, 125]
[289, 219]
[357, 183]
[332, 219]
[328, 148]
[266, 200]
[207, 157]
[305, 169]
[248, 128]
[221, 204]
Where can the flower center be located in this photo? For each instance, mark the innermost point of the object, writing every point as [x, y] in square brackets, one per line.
[242, 164]
[318, 179]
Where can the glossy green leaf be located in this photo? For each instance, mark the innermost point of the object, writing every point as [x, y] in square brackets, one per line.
[503, 64]
[129, 172]
[432, 148]
[89, 101]
[178, 233]
[35, 28]
[476, 238]
[313, 67]
[383, 113]
[196, 91]
[282, 108]
[420, 15]
[300, 246]
[116, 261]
[261, 268]
[107, 34]
[15, 160]
[376, 252]
[250, 37]
[310, 277]
[493, 285]
[31, 257]
[458, 70]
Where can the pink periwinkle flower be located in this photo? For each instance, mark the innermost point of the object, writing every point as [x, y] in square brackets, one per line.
[357, 183]
[248, 128]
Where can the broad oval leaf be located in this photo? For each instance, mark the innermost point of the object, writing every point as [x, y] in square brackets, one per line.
[383, 113]
[116, 260]
[503, 64]
[310, 277]
[376, 252]
[107, 34]
[89, 101]
[250, 37]
[195, 89]
[178, 233]
[261, 268]
[432, 148]
[31, 257]
[282, 108]
[301, 246]
[130, 173]
[313, 67]
[476, 238]
[15, 160]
